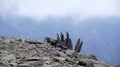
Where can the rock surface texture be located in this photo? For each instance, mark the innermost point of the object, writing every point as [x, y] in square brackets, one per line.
[49, 53]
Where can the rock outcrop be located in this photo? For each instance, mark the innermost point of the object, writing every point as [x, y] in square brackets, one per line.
[49, 53]
[65, 43]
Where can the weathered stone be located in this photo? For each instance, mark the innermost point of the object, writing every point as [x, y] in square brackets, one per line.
[59, 58]
[67, 37]
[58, 38]
[68, 41]
[62, 37]
[9, 58]
[78, 45]
[89, 64]
[44, 55]
[69, 52]
[69, 44]
[50, 40]
[23, 65]
[47, 39]
[97, 63]
[81, 63]
[33, 42]
[92, 57]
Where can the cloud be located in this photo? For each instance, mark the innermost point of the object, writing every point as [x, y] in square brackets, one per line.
[39, 9]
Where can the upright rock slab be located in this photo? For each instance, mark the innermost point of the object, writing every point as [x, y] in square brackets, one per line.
[78, 45]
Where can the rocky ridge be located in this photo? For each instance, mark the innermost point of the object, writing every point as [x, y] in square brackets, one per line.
[49, 53]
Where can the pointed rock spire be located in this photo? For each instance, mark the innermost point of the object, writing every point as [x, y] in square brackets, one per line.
[62, 37]
[68, 41]
[69, 44]
[67, 34]
[58, 38]
[67, 37]
[78, 45]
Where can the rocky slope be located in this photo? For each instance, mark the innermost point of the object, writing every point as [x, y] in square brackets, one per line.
[31, 53]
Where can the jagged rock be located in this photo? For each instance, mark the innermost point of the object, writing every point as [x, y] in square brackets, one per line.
[65, 44]
[92, 57]
[50, 40]
[69, 44]
[43, 55]
[60, 44]
[47, 39]
[62, 37]
[67, 34]
[70, 52]
[78, 45]
[67, 38]
[68, 41]
[58, 38]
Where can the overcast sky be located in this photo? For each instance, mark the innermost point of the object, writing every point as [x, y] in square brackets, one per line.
[39, 9]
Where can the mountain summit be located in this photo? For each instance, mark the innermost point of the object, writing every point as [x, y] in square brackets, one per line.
[16, 52]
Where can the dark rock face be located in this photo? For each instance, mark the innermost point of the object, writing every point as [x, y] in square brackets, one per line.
[58, 38]
[50, 53]
[62, 37]
[60, 42]
[78, 45]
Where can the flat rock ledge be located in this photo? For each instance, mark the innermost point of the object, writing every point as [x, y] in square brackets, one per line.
[31, 53]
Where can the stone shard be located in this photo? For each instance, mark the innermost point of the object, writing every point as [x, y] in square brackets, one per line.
[67, 38]
[62, 37]
[33, 42]
[69, 44]
[58, 38]
[68, 41]
[78, 45]
[67, 34]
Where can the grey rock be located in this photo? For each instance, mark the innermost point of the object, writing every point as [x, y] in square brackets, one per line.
[23, 65]
[58, 38]
[9, 58]
[47, 39]
[78, 45]
[33, 42]
[70, 52]
[47, 54]
[62, 37]
[69, 44]
[68, 41]
[92, 57]
[59, 58]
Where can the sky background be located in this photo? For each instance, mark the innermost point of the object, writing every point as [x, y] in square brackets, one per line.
[78, 9]
[96, 22]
